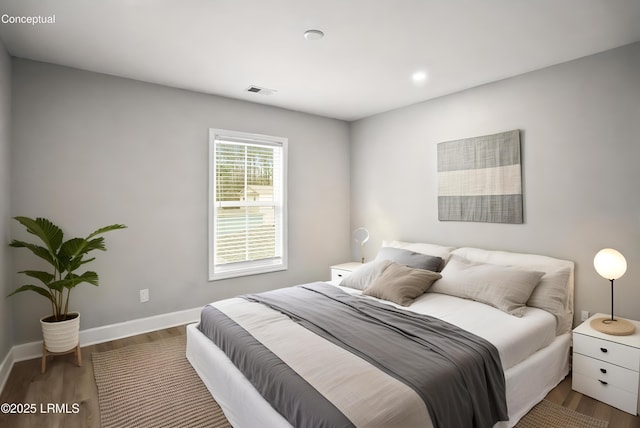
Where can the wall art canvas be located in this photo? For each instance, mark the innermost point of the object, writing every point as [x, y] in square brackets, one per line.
[480, 179]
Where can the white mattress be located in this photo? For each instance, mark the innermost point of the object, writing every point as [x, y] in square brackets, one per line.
[515, 338]
[534, 359]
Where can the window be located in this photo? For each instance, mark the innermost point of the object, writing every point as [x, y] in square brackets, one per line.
[247, 204]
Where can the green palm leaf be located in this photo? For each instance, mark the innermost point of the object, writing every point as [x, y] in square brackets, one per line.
[38, 250]
[88, 276]
[57, 286]
[50, 234]
[45, 277]
[106, 229]
[69, 250]
[96, 244]
[29, 287]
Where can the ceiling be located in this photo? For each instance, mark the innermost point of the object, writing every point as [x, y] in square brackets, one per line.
[361, 67]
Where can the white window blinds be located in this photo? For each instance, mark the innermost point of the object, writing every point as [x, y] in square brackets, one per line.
[247, 210]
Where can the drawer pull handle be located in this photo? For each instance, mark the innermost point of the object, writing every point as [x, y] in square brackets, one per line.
[603, 382]
[604, 350]
[603, 370]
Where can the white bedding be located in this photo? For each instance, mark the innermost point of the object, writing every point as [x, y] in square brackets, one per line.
[504, 331]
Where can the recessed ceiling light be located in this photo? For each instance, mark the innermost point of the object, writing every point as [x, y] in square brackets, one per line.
[419, 76]
[313, 34]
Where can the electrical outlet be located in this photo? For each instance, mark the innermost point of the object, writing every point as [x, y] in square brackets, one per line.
[144, 295]
[584, 315]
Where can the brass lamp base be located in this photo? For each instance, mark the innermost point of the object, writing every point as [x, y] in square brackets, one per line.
[615, 327]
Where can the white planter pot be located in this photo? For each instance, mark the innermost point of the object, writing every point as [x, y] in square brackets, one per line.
[61, 336]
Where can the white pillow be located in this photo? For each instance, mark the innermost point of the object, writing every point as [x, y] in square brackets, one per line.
[503, 287]
[364, 275]
[553, 294]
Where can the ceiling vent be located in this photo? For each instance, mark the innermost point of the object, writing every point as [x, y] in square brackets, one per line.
[261, 91]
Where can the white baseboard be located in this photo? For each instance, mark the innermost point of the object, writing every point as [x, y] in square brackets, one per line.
[91, 336]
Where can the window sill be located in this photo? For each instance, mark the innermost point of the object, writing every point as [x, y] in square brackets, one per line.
[236, 272]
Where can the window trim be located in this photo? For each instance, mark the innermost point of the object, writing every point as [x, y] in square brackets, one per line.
[234, 270]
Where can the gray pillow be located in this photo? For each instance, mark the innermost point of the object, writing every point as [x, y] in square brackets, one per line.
[504, 287]
[401, 284]
[410, 258]
[364, 275]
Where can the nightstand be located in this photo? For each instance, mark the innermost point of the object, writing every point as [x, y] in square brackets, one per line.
[338, 272]
[607, 367]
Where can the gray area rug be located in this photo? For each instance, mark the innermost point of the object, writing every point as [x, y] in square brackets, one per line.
[549, 414]
[153, 385]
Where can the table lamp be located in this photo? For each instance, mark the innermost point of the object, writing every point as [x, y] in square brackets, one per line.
[610, 264]
[361, 236]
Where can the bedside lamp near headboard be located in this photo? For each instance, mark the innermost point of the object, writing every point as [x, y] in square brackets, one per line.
[611, 264]
[361, 236]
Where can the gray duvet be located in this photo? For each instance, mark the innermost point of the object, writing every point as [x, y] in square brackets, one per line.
[324, 358]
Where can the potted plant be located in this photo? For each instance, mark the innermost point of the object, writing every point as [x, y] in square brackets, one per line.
[61, 329]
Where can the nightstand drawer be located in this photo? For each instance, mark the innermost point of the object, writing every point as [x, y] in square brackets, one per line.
[609, 394]
[338, 275]
[341, 271]
[614, 353]
[617, 376]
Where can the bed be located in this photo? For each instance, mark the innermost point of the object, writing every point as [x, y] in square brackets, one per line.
[525, 327]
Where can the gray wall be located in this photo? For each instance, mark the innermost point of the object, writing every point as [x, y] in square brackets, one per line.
[580, 125]
[91, 150]
[6, 268]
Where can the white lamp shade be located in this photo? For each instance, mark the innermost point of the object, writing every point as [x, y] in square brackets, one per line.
[610, 263]
[361, 235]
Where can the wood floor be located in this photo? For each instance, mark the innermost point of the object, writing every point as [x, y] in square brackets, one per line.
[66, 384]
